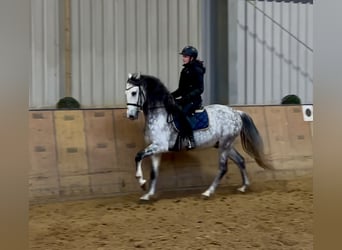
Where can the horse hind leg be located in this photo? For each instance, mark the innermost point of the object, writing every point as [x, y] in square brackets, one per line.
[153, 177]
[222, 171]
[236, 157]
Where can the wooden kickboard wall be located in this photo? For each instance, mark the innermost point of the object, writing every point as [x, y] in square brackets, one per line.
[77, 154]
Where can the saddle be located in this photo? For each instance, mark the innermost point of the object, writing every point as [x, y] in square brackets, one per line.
[199, 120]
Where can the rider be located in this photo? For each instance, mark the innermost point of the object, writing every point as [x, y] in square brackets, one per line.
[190, 88]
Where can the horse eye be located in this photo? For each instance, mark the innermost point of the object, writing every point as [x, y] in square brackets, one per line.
[134, 93]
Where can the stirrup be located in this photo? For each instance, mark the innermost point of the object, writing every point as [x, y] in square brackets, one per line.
[190, 144]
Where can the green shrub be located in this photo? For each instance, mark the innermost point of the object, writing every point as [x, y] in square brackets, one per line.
[290, 99]
[68, 103]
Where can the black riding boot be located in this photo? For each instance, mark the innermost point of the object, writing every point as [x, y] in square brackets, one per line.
[186, 132]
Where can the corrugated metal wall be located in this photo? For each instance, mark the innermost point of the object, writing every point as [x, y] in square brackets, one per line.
[274, 52]
[109, 39]
[45, 84]
[112, 38]
[270, 48]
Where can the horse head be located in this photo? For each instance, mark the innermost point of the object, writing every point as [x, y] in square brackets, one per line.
[135, 96]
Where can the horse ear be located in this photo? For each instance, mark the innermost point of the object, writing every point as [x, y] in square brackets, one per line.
[129, 75]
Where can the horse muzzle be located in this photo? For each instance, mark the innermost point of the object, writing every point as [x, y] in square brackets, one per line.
[132, 114]
[132, 117]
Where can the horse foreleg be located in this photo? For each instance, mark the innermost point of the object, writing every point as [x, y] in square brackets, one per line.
[138, 161]
[139, 175]
[240, 162]
[222, 171]
[153, 177]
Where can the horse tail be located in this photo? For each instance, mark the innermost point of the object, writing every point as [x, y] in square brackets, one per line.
[252, 142]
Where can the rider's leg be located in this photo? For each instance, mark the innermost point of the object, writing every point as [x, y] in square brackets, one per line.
[189, 134]
[185, 130]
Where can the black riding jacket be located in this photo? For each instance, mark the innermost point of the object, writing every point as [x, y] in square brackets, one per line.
[191, 84]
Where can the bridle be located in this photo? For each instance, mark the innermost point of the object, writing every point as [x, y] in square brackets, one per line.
[141, 97]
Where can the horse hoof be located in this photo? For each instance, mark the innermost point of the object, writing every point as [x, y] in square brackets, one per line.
[206, 194]
[242, 189]
[145, 198]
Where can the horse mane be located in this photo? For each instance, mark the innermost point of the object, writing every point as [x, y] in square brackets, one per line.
[156, 93]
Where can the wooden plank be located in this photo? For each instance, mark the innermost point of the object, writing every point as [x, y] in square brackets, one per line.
[129, 139]
[77, 185]
[192, 168]
[169, 170]
[71, 146]
[258, 116]
[189, 176]
[299, 132]
[113, 183]
[40, 187]
[42, 144]
[176, 168]
[59, 166]
[278, 134]
[99, 134]
[167, 177]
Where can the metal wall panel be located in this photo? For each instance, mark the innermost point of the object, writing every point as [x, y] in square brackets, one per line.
[45, 84]
[111, 38]
[274, 52]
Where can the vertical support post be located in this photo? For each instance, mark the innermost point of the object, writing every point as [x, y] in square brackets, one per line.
[219, 52]
[67, 46]
[232, 52]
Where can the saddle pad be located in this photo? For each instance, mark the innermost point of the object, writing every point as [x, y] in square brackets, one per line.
[199, 120]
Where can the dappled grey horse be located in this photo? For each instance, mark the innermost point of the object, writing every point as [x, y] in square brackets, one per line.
[148, 93]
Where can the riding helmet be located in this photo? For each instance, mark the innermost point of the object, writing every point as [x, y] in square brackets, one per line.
[189, 51]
